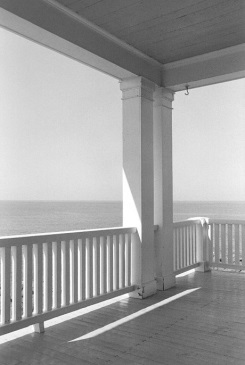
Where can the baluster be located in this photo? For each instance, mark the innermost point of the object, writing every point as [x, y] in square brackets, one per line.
[75, 262]
[116, 262]
[84, 269]
[185, 246]
[67, 271]
[110, 260]
[179, 248]
[47, 277]
[229, 243]
[71, 274]
[174, 249]
[65, 260]
[94, 250]
[237, 244]
[99, 253]
[223, 244]
[182, 248]
[89, 268]
[81, 270]
[40, 277]
[211, 252]
[122, 260]
[192, 245]
[178, 265]
[27, 281]
[130, 259]
[16, 282]
[79, 262]
[63, 273]
[96, 265]
[243, 245]
[103, 279]
[54, 274]
[188, 245]
[5, 284]
[217, 256]
[59, 274]
[50, 279]
[35, 279]
[195, 243]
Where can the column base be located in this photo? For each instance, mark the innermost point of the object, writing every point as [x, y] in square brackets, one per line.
[166, 282]
[204, 266]
[145, 290]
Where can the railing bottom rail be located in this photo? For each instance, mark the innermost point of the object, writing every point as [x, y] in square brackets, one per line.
[187, 268]
[61, 311]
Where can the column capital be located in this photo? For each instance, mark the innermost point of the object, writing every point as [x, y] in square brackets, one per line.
[163, 97]
[134, 87]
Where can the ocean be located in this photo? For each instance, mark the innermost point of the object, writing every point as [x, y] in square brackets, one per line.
[27, 217]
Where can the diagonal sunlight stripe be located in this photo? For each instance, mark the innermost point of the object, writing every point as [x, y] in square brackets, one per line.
[185, 273]
[65, 317]
[141, 312]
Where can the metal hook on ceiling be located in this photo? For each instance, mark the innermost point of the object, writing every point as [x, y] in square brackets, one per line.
[187, 90]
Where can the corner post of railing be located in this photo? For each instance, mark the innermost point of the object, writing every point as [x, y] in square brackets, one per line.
[136, 263]
[202, 240]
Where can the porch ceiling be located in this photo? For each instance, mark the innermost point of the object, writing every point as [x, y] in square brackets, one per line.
[168, 30]
[172, 43]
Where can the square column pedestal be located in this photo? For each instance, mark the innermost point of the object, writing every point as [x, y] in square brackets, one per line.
[138, 180]
[163, 188]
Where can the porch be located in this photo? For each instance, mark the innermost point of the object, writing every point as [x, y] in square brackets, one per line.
[201, 319]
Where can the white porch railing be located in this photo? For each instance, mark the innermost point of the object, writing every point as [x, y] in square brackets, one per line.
[46, 275]
[187, 245]
[227, 244]
[208, 243]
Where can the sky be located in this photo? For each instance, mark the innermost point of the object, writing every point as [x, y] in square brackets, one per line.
[61, 131]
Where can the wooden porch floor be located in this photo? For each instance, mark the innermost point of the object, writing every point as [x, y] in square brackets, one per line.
[204, 326]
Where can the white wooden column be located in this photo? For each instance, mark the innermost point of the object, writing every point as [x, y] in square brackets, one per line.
[163, 188]
[138, 179]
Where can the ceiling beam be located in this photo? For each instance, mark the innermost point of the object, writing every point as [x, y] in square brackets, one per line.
[52, 25]
[211, 68]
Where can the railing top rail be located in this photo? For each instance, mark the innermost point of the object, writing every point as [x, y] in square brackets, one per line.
[63, 236]
[191, 222]
[225, 221]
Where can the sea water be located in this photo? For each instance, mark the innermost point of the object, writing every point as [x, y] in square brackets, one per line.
[27, 217]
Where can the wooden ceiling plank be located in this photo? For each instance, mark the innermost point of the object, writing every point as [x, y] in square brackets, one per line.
[186, 25]
[142, 11]
[193, 34]
[186, 50]
[101, 8]
[160, 18]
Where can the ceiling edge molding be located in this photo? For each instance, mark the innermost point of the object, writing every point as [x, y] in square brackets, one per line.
[225, 65]
[205, 57]
[36, 34]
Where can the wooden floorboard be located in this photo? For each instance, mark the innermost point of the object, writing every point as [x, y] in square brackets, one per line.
[205, 326]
